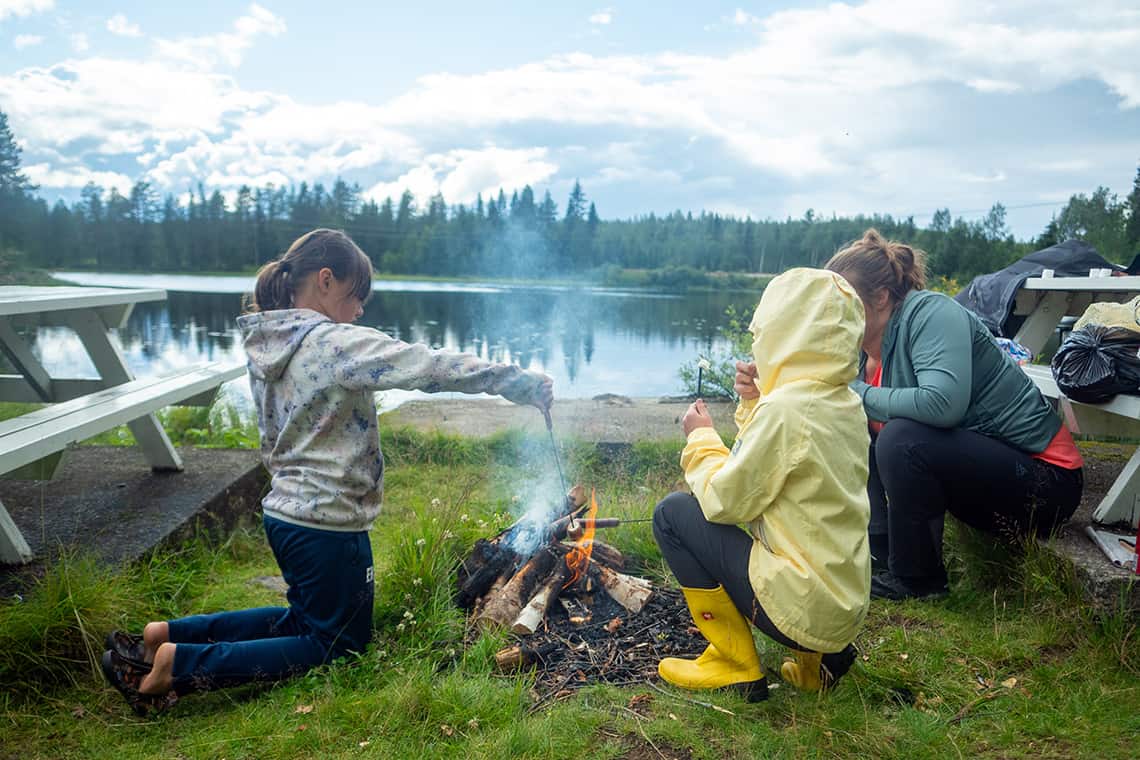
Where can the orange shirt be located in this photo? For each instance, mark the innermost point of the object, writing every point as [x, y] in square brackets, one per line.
[876, 380]
[1061, 451]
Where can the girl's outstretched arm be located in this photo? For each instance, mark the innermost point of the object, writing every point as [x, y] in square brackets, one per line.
[367, 359]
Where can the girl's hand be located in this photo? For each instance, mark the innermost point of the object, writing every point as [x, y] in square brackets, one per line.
[697, 416]
[745, 385]
[544, 396]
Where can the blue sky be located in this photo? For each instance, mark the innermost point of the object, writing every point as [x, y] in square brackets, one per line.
[762, 109]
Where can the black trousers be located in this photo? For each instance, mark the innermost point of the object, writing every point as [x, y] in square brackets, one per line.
[919, 473]
[705, 555]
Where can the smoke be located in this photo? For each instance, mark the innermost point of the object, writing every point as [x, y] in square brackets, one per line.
[518, 249]
[538, 500]
[543, 505]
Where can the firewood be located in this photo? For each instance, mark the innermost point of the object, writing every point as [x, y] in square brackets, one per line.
[481, 602]
[576, 497]
[504, 608]
[519, 656]
[607, 555]
[534, 612]
[498, 558]
[626, 590]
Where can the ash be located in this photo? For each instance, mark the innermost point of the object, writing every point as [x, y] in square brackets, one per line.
[573, 655]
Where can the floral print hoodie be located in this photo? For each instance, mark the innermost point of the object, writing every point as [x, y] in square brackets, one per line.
[313, 382]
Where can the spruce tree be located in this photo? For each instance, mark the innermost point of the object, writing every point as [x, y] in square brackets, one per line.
[1132, 226]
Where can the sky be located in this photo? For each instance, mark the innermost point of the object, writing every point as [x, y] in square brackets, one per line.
[762, 110]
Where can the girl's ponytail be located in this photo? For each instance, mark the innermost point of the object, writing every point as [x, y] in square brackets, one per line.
[274, 288]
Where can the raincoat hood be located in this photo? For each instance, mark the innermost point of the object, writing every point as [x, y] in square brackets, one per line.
[808, 326]
[271, 338]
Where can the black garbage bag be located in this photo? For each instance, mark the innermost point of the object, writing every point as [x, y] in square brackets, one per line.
[1096, 362]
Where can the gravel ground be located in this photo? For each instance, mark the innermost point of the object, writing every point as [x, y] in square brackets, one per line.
[608, 418]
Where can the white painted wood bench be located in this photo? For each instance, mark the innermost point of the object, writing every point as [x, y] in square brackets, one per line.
[1118, 418]
[1044, 302]
[30, 438]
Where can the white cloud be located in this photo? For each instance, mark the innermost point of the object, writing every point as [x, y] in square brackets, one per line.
[79, 42]
[1075, 165]
[76, 177]
[26, 40]
[602, 18]
[18, 8]
[227, 47]
[744, 18]
[463, 174]
[118, 24]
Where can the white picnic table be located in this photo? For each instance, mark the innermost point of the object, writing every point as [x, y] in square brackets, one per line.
[1045, 302]
[82, 407]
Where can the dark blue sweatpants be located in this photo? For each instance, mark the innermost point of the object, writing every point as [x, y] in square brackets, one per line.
[329, 574]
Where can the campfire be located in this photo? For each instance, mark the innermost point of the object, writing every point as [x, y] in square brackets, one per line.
[576, 615]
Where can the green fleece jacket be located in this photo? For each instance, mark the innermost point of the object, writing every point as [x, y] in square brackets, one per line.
[942, 367]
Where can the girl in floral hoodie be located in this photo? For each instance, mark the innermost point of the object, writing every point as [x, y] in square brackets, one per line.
[313, 375]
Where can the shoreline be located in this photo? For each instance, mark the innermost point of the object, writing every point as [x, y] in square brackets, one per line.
[607, 418]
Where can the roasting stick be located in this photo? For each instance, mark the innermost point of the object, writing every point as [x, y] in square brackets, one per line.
[557, 458]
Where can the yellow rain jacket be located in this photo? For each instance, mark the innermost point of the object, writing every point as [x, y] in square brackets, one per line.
[797, 474]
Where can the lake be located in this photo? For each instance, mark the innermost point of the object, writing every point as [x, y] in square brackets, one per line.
[590, 340]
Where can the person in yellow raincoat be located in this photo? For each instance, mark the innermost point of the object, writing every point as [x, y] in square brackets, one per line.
[796, 477]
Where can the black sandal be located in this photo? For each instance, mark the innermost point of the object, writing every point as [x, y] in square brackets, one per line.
[128, 646]
[126, 676]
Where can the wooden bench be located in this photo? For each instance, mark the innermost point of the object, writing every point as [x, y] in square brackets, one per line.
[1118, 418]
[32, 443]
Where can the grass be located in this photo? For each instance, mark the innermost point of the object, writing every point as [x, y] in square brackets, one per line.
[1010, 665]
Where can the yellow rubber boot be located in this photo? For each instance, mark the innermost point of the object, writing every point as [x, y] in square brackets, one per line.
[812, 671]
[730, 658]
[802, 671]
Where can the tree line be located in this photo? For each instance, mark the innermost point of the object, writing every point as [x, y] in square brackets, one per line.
[520, 235]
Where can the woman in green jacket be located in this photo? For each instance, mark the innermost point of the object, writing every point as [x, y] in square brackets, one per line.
[956, 425]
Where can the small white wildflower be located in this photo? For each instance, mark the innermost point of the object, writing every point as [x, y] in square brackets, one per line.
[448, 534]
[417, 581]
[436, 503]
[400, 627]
[515, 499]
[421, 541]
[407, 597]
[382, 653]
[451, 652]
[463, 517]
[408, 615]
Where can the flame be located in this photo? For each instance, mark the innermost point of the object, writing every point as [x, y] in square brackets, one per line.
[579, 557]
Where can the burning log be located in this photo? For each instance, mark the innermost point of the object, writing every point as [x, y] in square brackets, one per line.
[608, 555]
[490, 560]
[504, 608]
[527, 579]
[535, 611]
[626, 590]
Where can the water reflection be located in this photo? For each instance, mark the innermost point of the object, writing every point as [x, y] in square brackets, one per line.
[590, 341]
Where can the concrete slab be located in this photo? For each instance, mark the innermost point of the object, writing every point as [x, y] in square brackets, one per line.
[106, 500]
[1106, 587]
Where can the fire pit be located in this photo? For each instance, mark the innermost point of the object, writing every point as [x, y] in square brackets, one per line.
[577, 617]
